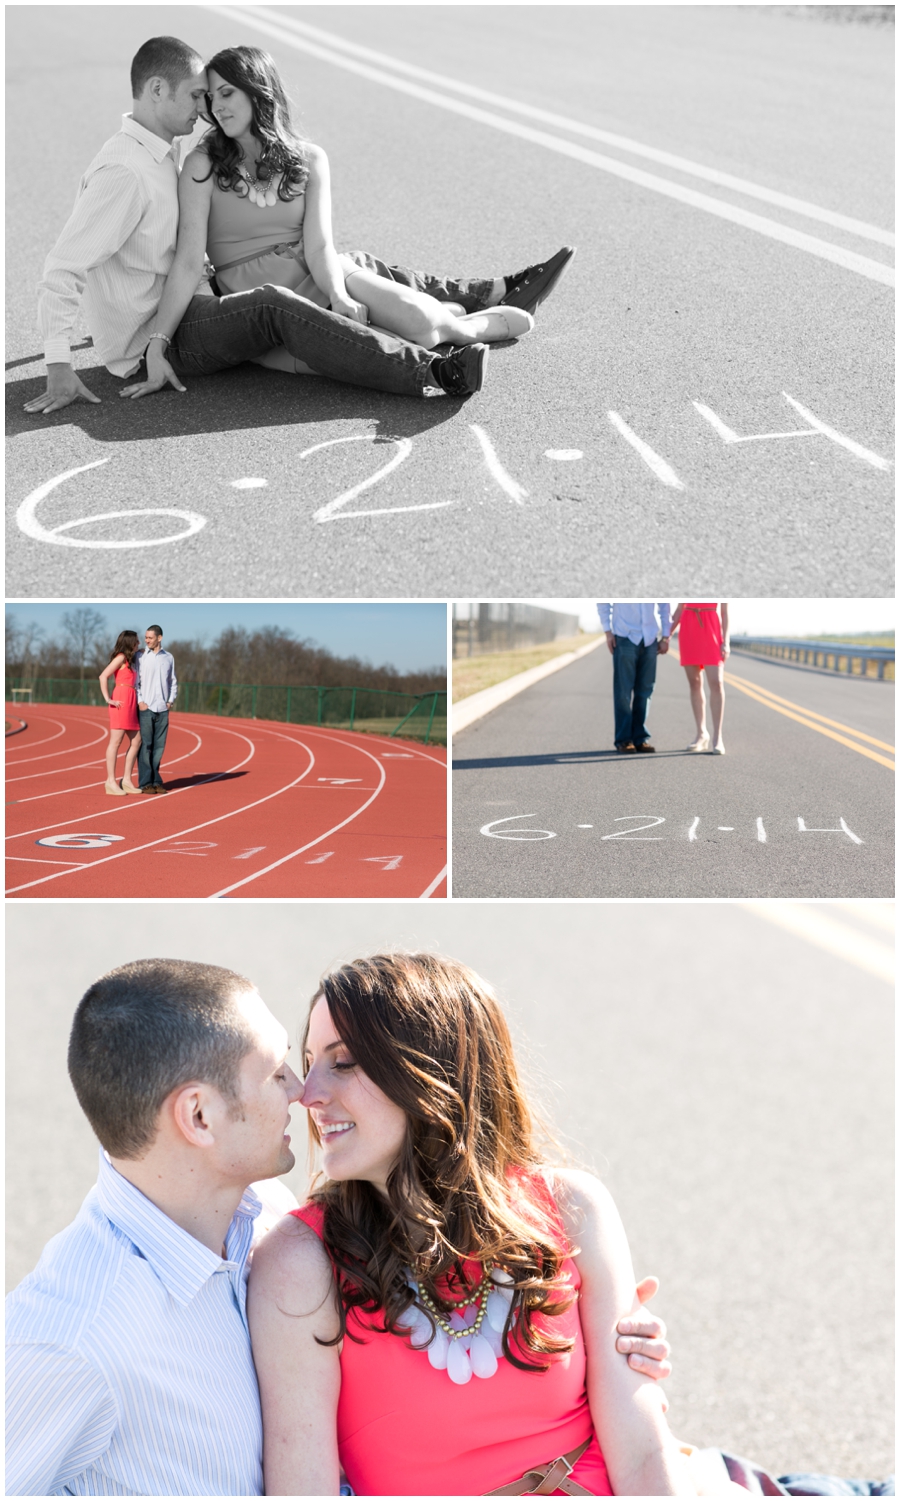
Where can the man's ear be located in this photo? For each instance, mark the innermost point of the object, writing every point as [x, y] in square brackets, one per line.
[191, 1114]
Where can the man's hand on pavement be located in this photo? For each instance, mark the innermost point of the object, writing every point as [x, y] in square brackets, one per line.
[159, 374]
[63, 387]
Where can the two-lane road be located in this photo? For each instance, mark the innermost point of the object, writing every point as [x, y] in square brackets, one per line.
[717, 364]
[800, 805]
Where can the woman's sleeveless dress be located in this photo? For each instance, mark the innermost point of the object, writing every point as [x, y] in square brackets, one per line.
[700, 636]
[405, 1429]
[125, 690]
[239, 229]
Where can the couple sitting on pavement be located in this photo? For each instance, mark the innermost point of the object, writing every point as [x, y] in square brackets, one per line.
[637, 634]
[255, 199]
[145, 686]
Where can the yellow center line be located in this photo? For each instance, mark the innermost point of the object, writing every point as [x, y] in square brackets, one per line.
[811, 713]
[841, 739]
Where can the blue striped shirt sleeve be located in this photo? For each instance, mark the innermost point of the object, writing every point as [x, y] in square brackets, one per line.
[60, 1417]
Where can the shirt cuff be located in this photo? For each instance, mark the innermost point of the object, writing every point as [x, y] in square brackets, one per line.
[57, 352]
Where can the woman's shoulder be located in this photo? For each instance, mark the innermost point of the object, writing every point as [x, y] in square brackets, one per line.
[196, 168]
[580, 1198]
[291, 1252]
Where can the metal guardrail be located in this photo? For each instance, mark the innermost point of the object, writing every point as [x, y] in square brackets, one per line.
[832, 656]
[420, 716]
[481, 628]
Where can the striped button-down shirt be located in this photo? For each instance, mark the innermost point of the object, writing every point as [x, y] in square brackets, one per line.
[639, 622]
[129, 1365]
[157, 683]
[115, 252]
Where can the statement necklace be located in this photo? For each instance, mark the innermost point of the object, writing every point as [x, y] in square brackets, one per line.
[463, 1349]
[263, 194]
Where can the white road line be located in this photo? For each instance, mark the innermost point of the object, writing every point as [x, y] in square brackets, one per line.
[816, 923]
[434, 885]
[226, 890]
[824, 249]
[664, 473]
[504, 480]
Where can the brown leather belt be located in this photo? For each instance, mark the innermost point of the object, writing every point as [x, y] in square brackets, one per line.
[285, 248]
[543, 1480]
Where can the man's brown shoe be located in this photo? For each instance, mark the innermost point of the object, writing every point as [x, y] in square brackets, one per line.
[646, 746]
[627, 749]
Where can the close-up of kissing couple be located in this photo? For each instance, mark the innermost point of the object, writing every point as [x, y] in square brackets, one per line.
[233, 260]
[446, 1314]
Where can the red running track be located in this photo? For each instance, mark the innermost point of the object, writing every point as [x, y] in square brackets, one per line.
[255, 809]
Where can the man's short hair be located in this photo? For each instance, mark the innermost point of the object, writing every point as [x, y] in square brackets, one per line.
[163, 57]
[156, 629]
[148, 1028]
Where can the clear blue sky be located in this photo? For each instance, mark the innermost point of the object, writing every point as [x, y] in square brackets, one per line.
[409, 637]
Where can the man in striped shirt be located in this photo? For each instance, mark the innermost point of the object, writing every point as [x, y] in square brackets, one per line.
[129, 1363]
[119, 243]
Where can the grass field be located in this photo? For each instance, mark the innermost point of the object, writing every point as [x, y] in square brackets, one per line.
[471, 674]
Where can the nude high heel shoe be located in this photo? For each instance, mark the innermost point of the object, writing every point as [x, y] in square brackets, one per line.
[701, 743]
[114, 790]
[129, 787]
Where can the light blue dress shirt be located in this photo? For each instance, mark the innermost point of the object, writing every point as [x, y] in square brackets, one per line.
[129, 1367]
[157, 684]
[640, 622]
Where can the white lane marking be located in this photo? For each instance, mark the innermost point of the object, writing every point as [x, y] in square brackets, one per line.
[564, 122]
[433, 885]
[195, 827]
[248, 483]
[584, 826]
[660, 468]
[504, 480]
[80, 841]
[823, 249]
[404, 449]
[27, 521]
[817, 924]
[563, 453]
[487, 829]
[226, 890]
[63, 771]
[842, 830]
[51, 755]
[692, 831]
[726, 828]
[33, 860]
[816, 428]
[339, 781]
[761, 834]
[23, 760]
[390, 862]
[257, 849]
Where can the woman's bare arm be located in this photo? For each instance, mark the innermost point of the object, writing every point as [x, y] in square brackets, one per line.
[641, 1455]
[679, 611]
[726, 638]
[291, 1300]
[318, 244]
[107, 673]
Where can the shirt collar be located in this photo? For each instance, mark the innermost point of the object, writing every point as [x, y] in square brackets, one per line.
[157, 147]
[182, 1264]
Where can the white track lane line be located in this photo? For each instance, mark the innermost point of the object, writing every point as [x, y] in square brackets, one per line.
[226, 890]
[167, 838]
[309, 729]
[123, 807]
[61, 771]
[564, 122]
[25, 749]
[67, 750]
[823, 249]
[434, 885]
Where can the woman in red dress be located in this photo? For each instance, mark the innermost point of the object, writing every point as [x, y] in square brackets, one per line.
[703, 644]
[123, 713]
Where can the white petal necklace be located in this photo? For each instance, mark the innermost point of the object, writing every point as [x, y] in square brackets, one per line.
[463, 1350]
[263, 194]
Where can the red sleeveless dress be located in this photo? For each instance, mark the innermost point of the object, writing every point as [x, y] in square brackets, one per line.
[405, 1429]
[700, 636]
[124, 691]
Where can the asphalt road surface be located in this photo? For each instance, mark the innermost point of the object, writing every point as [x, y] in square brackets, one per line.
[717, 364]
[543, 805]
[728, 1079]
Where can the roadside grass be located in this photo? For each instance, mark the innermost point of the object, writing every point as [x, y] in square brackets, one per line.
[471, 674]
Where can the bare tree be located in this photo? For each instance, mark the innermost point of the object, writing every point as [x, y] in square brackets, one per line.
[83, 627]
[22, 649]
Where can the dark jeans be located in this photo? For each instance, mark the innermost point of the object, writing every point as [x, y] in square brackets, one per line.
[634, 676]
[154, 729]
[217, 332]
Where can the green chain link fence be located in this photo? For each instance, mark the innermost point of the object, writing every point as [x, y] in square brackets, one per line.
[376, 711]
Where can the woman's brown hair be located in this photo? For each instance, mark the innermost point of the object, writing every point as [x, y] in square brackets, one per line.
[432, 1036]
[126, 646]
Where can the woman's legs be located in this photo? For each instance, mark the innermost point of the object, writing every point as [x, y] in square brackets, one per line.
[423, 320]
[698, 704]
[134, 745]
[716, 682]
[112, 751]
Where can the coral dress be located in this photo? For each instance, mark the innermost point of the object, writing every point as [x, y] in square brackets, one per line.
[125, 691]
[405, 1429]
[700, 636]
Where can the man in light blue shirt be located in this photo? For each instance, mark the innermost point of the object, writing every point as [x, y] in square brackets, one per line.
[635, 634]
[157, 689]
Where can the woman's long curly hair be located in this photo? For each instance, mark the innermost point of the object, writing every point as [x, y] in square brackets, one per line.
[126, 645]
[283, 152]
[431, 1035]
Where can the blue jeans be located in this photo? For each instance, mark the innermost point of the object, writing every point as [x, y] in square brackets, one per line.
[634, 676]
[154, 729]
